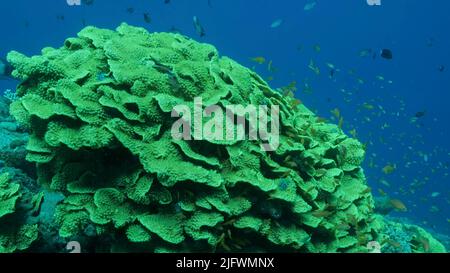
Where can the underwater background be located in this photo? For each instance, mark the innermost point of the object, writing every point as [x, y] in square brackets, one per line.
[328, 52]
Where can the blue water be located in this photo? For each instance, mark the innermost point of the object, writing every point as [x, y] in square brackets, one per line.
[415, 30]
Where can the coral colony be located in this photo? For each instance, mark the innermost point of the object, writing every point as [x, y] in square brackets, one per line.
[100, 115]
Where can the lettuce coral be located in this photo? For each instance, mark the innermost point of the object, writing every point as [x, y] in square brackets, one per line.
[99, 113]
[15, 233]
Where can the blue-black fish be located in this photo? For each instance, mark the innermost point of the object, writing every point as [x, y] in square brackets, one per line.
[198, 27]
[5, 69]
[386, 53]
[147, 18]
[420, 114]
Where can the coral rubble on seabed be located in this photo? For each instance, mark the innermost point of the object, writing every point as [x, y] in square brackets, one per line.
[98, 111]
[398, 237]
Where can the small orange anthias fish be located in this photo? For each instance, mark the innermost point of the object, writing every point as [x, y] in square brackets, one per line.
[367, 190]
[394, 243]
[321, 120]
[321, 213]
[259, 60]
[389, 168]
[341, 122]
[383, 193]
[336, 113]
[398, 205]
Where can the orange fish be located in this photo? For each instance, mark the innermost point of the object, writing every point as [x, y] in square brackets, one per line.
[383, 193]
[259, 60]
[368, 106]
[343, 226]
[321, 213]
[291, 88]
[369, 189]
[389, 168]
[336, 113]
[398, 205]
[341, 122]
[394, 243]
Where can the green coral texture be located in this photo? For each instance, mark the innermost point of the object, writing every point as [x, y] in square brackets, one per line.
[99, 113]
[15, 233]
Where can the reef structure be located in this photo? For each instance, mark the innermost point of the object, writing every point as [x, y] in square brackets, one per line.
[98, 111]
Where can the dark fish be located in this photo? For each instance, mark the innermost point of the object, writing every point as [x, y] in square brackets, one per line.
[198, 27]
[332, 72]
[163, 68]
[386, 53]
[441, 68]
[147, 18]
[5, 69]
[166, 1]
[130, 10]
[420, 114]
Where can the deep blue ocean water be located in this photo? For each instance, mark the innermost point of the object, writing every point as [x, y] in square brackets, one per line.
[415, 80]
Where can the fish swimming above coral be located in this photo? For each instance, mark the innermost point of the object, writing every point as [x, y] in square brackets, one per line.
[198, 27]
[258, 60]
[147, 17]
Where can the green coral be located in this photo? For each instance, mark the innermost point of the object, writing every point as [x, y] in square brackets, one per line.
[168, 227]
[8, 196]
[15, 234]
[99, 112]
